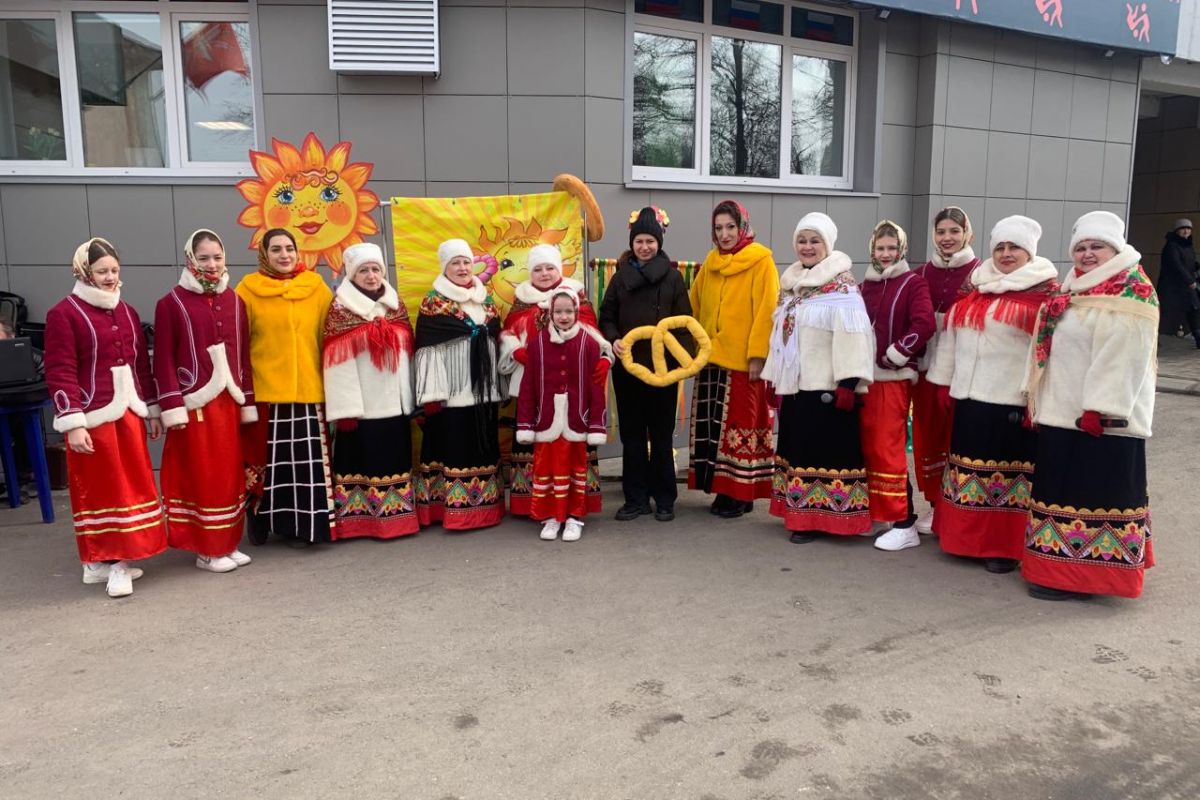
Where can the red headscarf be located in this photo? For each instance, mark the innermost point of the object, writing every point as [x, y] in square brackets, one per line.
[741, 216]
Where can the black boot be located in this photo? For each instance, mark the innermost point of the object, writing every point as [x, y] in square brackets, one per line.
[730, 508]
[802, 537]
[1000, 566]
[632, 511]
[1047, 593]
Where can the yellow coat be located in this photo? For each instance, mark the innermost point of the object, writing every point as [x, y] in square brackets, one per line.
[287, 318]
[734, 297]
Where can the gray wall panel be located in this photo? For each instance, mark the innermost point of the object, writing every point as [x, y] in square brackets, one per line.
[604, 54]
[973, 41]
[1085, 170]
[964, 170]
[1115, 187]
[690, 234]
[42, 286]
[1051, 103]
[545, 51]
[545, 137]
[1016, 48]
[291, 116]
[616, 203]
[1050, 214]
[140, 221]
[1089, 108]
[294, 45]
[1048, 168]
[855, 218]
[215, 207]
[604, 140]
[900, 90]
[898, 142]
[1012, 99]
[388, 131]
[1007, 155]
[1122, 111]
[379, 84]
[969, 101]
[474, 52]
[466, 138]
[44, 224]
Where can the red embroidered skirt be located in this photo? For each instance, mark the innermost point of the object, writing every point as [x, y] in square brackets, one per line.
[118, 516]
[884, 421]
[560, 480]
[931, 438]
[459, 482]
[203, 483]
[985, 493]
[732, 445]
[520, 483]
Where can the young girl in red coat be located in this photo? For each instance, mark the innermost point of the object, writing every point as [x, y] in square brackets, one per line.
[98, 373]
[202, 366]
[898, 304]
[561, 410]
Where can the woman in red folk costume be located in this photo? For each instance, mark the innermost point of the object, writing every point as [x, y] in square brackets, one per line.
[948, 275]
[369, 395]
[98, 372]
[202, 365]
[1091, 391]
[561, 411]
[529, 316]
[898, 304]
[982, 360]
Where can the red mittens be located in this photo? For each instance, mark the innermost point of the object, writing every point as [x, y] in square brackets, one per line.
[600, 373]
[347, 425]
[843, 398]
[431, 408]
[1090, 423]
[521, 356]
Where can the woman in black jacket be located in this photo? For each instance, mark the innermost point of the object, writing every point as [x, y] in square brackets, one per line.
[1177, 282]
[645, 289]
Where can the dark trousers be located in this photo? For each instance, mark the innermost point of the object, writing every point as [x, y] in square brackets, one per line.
[646, 413]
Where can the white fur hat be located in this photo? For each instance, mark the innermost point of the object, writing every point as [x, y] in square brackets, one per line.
[821, 223]
[451, 248]
[1103, 226]
[544, 254]
[1021, 231]
[356, 255]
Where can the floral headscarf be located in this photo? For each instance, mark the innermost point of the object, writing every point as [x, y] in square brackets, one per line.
[264, 263]
[80, 265]
[741, 216]
[209, 286]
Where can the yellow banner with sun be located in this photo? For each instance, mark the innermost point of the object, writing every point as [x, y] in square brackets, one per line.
[501, 230]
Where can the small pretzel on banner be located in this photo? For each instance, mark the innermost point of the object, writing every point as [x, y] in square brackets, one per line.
[661, 340]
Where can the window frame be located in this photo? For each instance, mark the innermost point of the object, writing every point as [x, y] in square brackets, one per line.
[170, 14]
[703, 33]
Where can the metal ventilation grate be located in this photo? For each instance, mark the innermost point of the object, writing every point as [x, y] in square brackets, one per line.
[384, 36]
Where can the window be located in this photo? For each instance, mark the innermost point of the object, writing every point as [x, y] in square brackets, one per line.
[125, 88]
[743, 93]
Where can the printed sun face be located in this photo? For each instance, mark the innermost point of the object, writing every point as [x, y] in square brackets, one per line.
[317, 196]
[511, 249]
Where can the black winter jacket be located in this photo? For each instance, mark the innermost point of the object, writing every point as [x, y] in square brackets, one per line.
[1176, 272]
[643, 297]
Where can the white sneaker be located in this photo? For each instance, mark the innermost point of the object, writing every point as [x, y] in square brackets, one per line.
[120, 580]
[239, 558]
[925, 523]
[216, 563]
[550, 530]
[97, 572]
[572, 530]
[898, 539]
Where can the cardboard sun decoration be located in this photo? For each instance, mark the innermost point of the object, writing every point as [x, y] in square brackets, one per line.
[318, 196]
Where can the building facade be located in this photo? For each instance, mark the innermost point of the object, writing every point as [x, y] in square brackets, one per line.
[131, 119]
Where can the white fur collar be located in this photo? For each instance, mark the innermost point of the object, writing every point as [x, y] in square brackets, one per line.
[188, 281]
[894, 271]
[990, 280]
[95, 296]
[1127, 258]
[797, 276]
[964, 256]
[530, 295]
[357, 303]
[476, 293]
[559, 337]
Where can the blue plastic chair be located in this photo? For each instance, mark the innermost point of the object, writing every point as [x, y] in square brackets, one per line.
[29, 417]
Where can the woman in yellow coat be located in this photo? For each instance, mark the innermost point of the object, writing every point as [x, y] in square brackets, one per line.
[286, 450]
[733, 297]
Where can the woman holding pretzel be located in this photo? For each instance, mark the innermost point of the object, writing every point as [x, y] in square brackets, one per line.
[1091, 392]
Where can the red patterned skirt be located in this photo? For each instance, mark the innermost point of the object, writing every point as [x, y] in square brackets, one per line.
[373, 494]
[114, 502]
[560, 480]
[984, 508]
[884, 422]
[820, 480]
[520, 480]
[931, 427]
[732, 446]
[202, 480]
[459, 482]
[1089, 516]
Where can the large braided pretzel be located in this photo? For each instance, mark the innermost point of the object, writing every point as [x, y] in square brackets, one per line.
[662, 339]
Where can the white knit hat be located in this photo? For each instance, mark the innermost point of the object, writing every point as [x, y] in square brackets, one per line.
[544, 254]
[451, 248]
[356, 255]
[1021, 231]
[1103, 226]
[821, 223]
